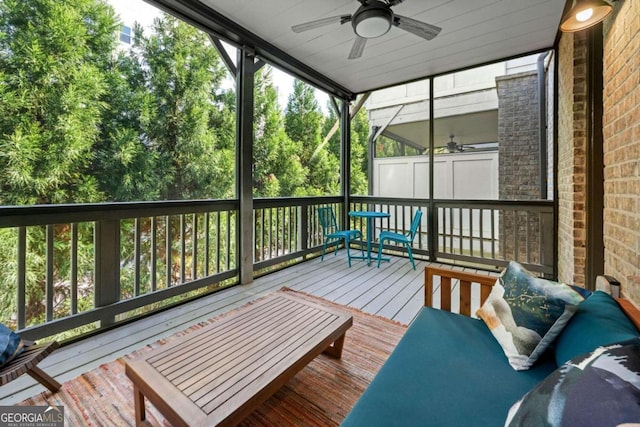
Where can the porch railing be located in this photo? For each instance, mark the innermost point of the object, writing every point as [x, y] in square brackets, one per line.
[75, 268]
[484, 234]
[493, 233]
[71, 269]
[288, 229]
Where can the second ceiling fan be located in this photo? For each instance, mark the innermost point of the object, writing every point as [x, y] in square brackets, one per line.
[373, 18]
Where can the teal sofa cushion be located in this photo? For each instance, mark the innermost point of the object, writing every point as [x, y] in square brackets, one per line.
[598, 321]
[447, 370]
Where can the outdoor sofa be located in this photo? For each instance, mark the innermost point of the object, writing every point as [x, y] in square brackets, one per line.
[449, 369]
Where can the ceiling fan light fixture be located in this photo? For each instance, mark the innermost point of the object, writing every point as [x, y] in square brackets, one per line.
[371, 22]
[585, 14]
[374, 18]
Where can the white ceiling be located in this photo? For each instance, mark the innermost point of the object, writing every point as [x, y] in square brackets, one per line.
[473, 32]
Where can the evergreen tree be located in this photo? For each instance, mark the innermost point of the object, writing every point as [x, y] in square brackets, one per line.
[303, 123]
[277, 170]
[359, 148]
[388, 147]
[54, 53]
[126, 165]
[333, 144]
[182, 72]
[303, 119]
[359, 153]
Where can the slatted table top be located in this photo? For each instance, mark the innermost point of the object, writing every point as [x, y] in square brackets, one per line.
[220, 373]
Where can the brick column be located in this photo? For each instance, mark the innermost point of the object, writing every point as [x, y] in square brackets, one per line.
[519, 159]
[572, 93]
[621, 129]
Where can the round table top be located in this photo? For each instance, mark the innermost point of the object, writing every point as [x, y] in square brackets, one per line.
[369, 214]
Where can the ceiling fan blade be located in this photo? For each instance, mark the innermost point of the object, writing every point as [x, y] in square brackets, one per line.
[341, 19]
[357, 48]
[394, 2]
[419, 28]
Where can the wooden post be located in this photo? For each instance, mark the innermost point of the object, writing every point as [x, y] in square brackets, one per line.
[245, 78]
[594, 206]
[432, 213]
[345, 162]
[107, 266]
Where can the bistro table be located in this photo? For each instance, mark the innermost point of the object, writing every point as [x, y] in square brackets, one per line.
[370, 216]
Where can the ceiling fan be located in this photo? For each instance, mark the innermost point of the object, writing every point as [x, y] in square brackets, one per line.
[373, 18]
[454, 147]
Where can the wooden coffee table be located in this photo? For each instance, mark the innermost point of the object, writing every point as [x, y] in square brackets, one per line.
[219, 374]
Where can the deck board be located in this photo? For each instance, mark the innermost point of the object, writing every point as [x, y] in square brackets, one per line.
[394, 291]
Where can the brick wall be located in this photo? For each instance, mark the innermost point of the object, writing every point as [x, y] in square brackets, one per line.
[621, 128]
[571, 158]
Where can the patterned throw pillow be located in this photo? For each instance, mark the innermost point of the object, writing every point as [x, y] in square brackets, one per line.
[526, 313]
[10, 345]
[601, 388]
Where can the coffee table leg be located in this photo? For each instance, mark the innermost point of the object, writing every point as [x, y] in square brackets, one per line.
[335, 349]
[138, 398]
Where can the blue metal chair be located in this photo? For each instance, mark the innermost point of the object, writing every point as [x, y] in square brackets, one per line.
[333, 235]
[405, 239]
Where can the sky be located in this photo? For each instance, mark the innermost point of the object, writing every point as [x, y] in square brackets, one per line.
[284, 84]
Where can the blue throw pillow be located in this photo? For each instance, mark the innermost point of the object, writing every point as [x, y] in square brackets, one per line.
[601, 388]
[598, 321]
[10, 345]
[526, 313]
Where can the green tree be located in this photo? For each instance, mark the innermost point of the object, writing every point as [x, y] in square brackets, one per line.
[359, 153]
[54, 53]
[277, 170]
[304, 123]
[181, 72]
[359, 148]
[303, 118]
[126, 165]
[388, 147]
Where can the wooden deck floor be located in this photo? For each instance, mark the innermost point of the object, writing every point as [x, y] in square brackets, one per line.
[394, 291]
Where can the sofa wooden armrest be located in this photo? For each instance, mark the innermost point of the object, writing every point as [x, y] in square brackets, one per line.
[486, 282]
[466, 279]
[630, 310]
